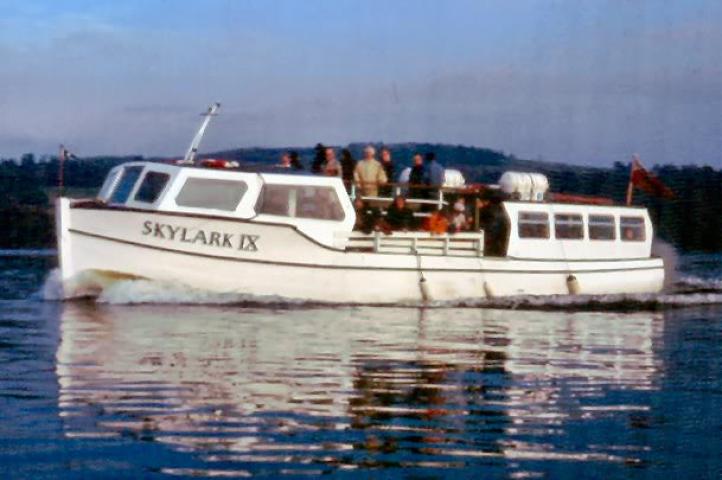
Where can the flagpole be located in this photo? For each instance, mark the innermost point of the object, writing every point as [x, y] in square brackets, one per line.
[630, 185]
[61, 168]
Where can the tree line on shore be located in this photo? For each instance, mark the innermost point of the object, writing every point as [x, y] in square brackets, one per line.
[692, 221]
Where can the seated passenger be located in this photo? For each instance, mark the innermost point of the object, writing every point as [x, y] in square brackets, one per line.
[459, 220]
[367, 218]
[437, 223]
[399, 216]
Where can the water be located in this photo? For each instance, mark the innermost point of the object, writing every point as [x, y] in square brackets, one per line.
[114, 389]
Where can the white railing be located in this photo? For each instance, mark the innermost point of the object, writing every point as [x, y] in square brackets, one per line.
[469, 244]
[436, 194]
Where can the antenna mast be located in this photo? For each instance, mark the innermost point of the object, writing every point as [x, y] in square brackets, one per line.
[193, 148]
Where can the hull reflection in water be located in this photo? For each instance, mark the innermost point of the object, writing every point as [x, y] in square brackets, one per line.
[312, 391]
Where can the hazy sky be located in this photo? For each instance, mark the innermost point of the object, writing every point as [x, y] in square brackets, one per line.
[576, 81]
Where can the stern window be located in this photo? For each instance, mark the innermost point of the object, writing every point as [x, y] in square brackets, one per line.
[631, 229]
[601, 227]
[568, 226]
[211, 193]
[533, 225]
[151, 187]
[300, 201]
[125, 185]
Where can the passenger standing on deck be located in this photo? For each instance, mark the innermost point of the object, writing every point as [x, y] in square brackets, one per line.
[295, 162]
[434, 176]
[285, 160]
[319, 157]
[347, 165]
[417, 178]
[388, 165]
[434, 171]
[369, 174]
[331, 166]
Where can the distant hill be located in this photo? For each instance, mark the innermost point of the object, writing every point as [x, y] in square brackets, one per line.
[693, 221]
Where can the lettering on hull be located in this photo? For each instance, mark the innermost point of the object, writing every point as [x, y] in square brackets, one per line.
[211, 238]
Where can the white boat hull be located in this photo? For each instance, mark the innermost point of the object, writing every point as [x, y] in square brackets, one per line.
[260, 259]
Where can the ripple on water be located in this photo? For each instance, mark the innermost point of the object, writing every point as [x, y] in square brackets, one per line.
[322, 390]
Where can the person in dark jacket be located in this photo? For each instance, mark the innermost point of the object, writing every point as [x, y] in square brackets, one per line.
[319, 158]
[417, 178]
[367, 218]
[295, 161]
[347, 166]
[399, 216]
[388, 164]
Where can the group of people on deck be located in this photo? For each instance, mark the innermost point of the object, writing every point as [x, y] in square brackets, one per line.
[372, 179]
[369, 175]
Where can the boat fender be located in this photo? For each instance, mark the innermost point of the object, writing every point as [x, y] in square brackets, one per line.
[423, 286]
[573, 285]
[488, 291]
[424, 289]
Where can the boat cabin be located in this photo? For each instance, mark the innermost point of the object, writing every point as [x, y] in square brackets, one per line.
[523, 225]
[317, 206]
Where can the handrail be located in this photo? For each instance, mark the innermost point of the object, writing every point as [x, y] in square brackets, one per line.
[466, 244]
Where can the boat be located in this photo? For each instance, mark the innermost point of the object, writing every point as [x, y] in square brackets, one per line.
[292, 236]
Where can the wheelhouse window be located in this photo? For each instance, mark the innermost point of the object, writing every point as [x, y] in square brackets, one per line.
[300, 201]
[601, 227]
[125, 185]
[151, 187]
[109, 183]
[631, 229]
[211, 193]
[533, 225]
[568, 226]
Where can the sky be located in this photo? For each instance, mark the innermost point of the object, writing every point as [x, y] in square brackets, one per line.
[582, 81]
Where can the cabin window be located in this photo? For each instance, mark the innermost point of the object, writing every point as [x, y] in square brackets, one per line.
[568, 226]
[125, 185]
[211, 193]
[631, 229]
[151, 187]
[109, 183]
[533, 225]
[601, 227]
[300, 201]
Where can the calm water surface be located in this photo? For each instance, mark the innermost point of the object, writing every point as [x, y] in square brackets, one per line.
[118, 391]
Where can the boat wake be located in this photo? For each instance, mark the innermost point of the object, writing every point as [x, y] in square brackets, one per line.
[687, 291]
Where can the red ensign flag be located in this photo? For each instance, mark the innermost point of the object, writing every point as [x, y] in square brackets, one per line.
[646, 181]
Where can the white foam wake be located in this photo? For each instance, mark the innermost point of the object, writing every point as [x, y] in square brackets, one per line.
[688, 291]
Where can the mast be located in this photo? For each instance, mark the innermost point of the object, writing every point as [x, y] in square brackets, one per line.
[193, 148]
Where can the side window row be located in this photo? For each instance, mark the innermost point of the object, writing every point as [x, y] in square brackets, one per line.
[307, 201]
[569, 226]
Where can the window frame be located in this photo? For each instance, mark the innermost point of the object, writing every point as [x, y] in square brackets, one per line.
[159, 192]
[570, 224]
[294, 202]
[527, 221]
[189, 180]
[637, 222]
[119, 181]
[598, 223]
